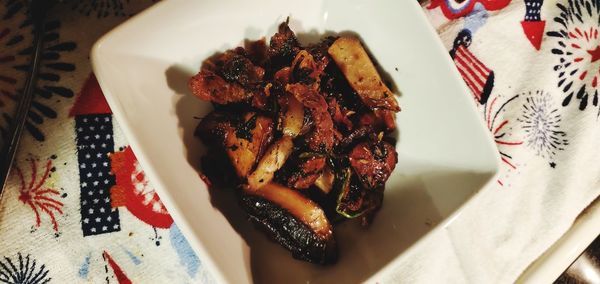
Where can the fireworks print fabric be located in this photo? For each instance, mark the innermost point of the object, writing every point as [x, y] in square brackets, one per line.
[23, 270]
[577, 50]
[13, 40]
[542, 125]
[80, 209]
[35, 192]
[15, 34]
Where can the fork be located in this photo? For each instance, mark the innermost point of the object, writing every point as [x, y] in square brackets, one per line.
[37, 10]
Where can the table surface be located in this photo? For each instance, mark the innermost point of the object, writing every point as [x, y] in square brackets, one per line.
[79, 209]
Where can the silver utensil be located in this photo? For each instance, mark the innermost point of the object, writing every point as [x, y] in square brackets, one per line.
[37, 9]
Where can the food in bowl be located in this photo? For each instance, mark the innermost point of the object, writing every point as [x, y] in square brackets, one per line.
[301, 133]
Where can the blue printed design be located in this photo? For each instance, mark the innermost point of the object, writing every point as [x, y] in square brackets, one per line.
[187, 257]
[94, 143]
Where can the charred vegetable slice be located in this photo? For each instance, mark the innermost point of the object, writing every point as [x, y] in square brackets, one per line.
[272, 161]
[354, 62]
[302, 208]
[289, 230]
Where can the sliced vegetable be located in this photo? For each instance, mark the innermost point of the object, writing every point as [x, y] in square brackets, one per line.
[288, 227]
[322, 138]
[272, 161]
[302, 208]
[243, 139]
[293, 119]
[354, 62]
[247, 141]
[326, 180]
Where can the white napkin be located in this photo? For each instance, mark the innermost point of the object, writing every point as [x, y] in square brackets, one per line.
[549, 178]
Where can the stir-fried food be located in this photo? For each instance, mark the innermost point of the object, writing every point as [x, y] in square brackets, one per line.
[302, 132]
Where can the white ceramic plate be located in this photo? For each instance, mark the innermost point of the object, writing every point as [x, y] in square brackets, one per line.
[445, 153]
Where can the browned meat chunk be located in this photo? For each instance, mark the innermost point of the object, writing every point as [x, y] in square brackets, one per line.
[283, 46]
[227, 78]
[373, 162]
[235, 67]
[257, 51]
[322, 138]
[354, 200]
[209, 86]
[308, 171]
[306, 70]
[339, 117]
[379, 120]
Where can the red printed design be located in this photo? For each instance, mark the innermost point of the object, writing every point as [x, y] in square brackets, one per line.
[134, 191]
[533, 26]
[38, 196]
[454, 9]
[479, 78]
[577, 50]
[90, 100]
[94, 130]
[119, 274]
[499, 127]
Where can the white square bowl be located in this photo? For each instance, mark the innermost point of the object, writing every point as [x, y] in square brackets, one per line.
[445, 152]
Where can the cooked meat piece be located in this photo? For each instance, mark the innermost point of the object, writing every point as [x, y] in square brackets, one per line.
[289, 231]
[257, 51]
[283, 46]
[308, 171]
[352, 59]
[339, 117]
[244, 140]
[305, 70]
[322, 137]
[378, 120]
[373, 162]
[354, 199]
[355, 136]
[319, 50]
[226, 78]
[283, 76]
[209, 86]
[235, 67]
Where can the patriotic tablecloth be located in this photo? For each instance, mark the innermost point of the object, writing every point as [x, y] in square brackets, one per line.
[79, 209]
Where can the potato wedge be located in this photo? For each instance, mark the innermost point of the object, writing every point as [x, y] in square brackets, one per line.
[354, 62]
[272, 161]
